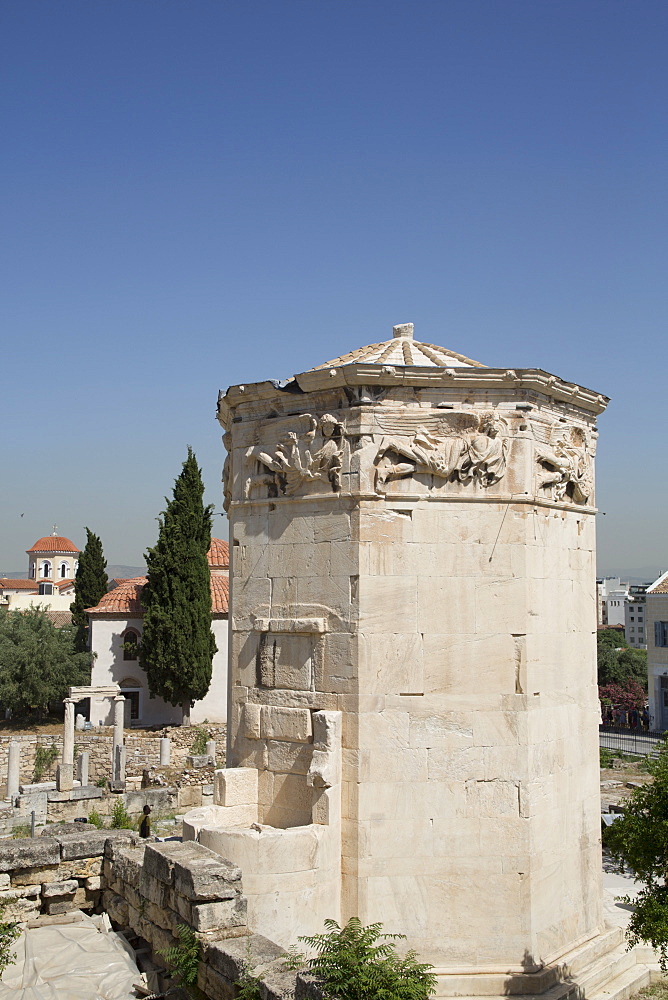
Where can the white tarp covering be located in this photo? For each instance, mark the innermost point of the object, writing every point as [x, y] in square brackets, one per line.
[84, 960]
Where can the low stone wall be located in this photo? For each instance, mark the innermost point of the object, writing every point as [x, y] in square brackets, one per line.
[54, 874]
[148, 889]
[143, 750]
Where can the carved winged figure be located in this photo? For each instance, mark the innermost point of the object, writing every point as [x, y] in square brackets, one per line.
[456, 446]
[295, 461]
[567, 467]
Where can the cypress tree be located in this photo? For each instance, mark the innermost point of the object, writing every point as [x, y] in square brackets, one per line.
[90, 584]
[177, 645]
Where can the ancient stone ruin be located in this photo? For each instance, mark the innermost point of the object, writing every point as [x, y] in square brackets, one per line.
[412, 733]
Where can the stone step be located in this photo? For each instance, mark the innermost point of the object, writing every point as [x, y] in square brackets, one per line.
[591, 951]
[605, 970]
[536, 983]
[623, 986]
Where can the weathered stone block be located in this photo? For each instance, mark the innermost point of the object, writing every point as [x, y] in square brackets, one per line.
[159, 859]
[37, 875]
[54, 889]
[214, 985]
[235, 786]
[220, 915]
[153, 889]
[28, 853]
[231, 957]
[82, 845]
[291, 724]
[53, 906]
[81, 868]
[116, 907]
[118, 839]
[93, 884]
[206, 879]
[127, 864]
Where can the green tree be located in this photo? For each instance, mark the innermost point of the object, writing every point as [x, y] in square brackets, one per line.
[359, 963]
[90, 584]
[177, 645]
[38, 662]
[639, 840]
[617, 662]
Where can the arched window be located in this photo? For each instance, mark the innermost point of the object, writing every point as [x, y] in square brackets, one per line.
[46, 569]
[130, 644]
[63, 570]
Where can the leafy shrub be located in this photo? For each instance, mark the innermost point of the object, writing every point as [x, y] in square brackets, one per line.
[45, 757]
[198, 746]
[121, 818]
[9, 931]
[357, 963]
[95, 819]
[606, 757]
[638, 840]
[183, 958]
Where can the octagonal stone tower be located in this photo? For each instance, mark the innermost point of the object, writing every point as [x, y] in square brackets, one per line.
[412, 540]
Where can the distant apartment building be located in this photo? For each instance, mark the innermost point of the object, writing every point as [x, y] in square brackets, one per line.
[611, 598]
[656, 630]
[635, 613]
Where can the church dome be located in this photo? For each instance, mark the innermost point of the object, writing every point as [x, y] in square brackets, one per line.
[53, 543]
[403, 351]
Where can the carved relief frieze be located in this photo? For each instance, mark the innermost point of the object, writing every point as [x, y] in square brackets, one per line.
[305, 451]
[463, 447]
[566, 465]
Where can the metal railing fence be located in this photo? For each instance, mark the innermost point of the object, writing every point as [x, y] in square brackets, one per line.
[626, 739]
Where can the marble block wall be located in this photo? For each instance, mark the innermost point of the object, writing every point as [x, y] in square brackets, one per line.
[415, 549]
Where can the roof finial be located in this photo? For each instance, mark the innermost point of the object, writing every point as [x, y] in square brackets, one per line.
[404, 330]
[54, 533]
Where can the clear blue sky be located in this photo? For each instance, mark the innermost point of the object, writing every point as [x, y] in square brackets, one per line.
[203, 192]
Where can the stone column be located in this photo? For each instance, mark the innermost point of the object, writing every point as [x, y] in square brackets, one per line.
[82, 767]
[119, 763]
[13, 769]
[65, 772]
[165, 750]
[119, 712]
[211, 750]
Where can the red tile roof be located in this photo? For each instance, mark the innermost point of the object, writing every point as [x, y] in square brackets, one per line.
[8, 584]
[125, 598]
[64, 584]
[53, 543]
[220, 595]
[219, 553]
[59, 618]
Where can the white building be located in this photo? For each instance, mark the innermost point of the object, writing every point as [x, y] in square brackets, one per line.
[657, 651]
[116, 626]
[634, 617]
[612, 594]
[52, 566]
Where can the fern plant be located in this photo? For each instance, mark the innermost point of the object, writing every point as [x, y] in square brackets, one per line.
[361, 963]
[183, 958]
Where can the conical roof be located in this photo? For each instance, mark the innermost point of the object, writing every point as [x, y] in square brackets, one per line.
[403, 350]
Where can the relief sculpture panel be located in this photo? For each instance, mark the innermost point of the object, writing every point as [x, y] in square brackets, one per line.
[459, 447]
[565, 466]
[297, 454]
